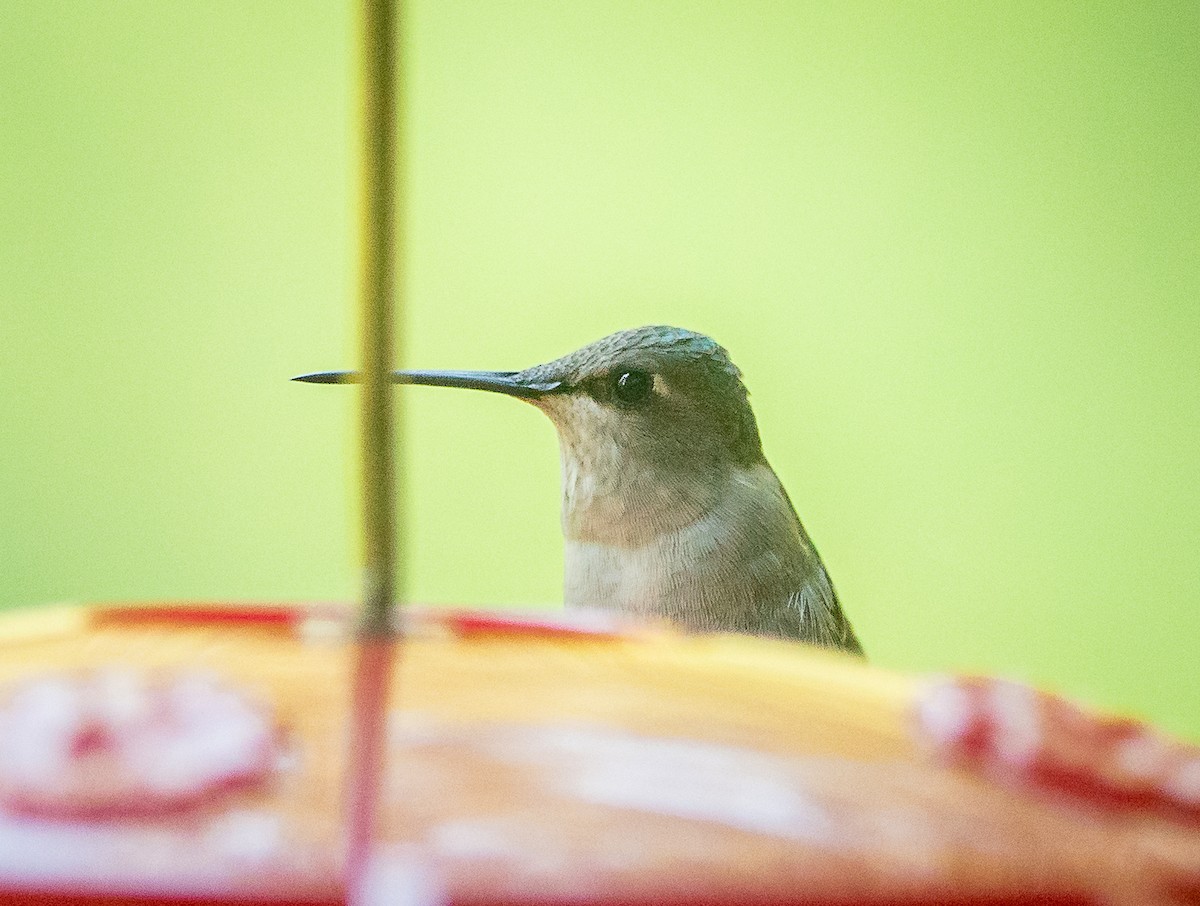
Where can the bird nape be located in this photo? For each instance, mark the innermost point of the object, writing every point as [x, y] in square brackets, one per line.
[669, 507]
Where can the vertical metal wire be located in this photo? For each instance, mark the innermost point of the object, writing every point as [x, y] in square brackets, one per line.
[378, 274]
[379, 243]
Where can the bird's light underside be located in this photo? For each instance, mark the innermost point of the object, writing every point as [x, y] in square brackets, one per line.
[506, 382]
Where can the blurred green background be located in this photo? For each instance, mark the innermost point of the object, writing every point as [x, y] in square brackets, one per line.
[955, 249]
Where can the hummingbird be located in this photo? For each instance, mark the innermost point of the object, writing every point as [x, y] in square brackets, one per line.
[669, 507]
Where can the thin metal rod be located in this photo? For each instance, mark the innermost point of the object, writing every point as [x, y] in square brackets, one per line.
[378, 274]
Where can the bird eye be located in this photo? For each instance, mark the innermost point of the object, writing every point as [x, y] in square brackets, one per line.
[632, 387]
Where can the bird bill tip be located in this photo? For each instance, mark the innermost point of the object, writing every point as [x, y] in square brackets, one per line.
[326, 377]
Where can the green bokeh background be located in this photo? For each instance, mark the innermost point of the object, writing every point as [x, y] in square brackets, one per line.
[955, 248]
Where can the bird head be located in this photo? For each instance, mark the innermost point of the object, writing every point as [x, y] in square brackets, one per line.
[649, 420]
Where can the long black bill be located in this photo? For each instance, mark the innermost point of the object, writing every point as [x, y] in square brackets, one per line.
[506, 382]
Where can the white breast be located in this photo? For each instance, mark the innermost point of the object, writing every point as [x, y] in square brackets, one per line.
[713, 565]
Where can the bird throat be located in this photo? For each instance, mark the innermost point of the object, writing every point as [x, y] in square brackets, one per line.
[615, 491]
[627, 507]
